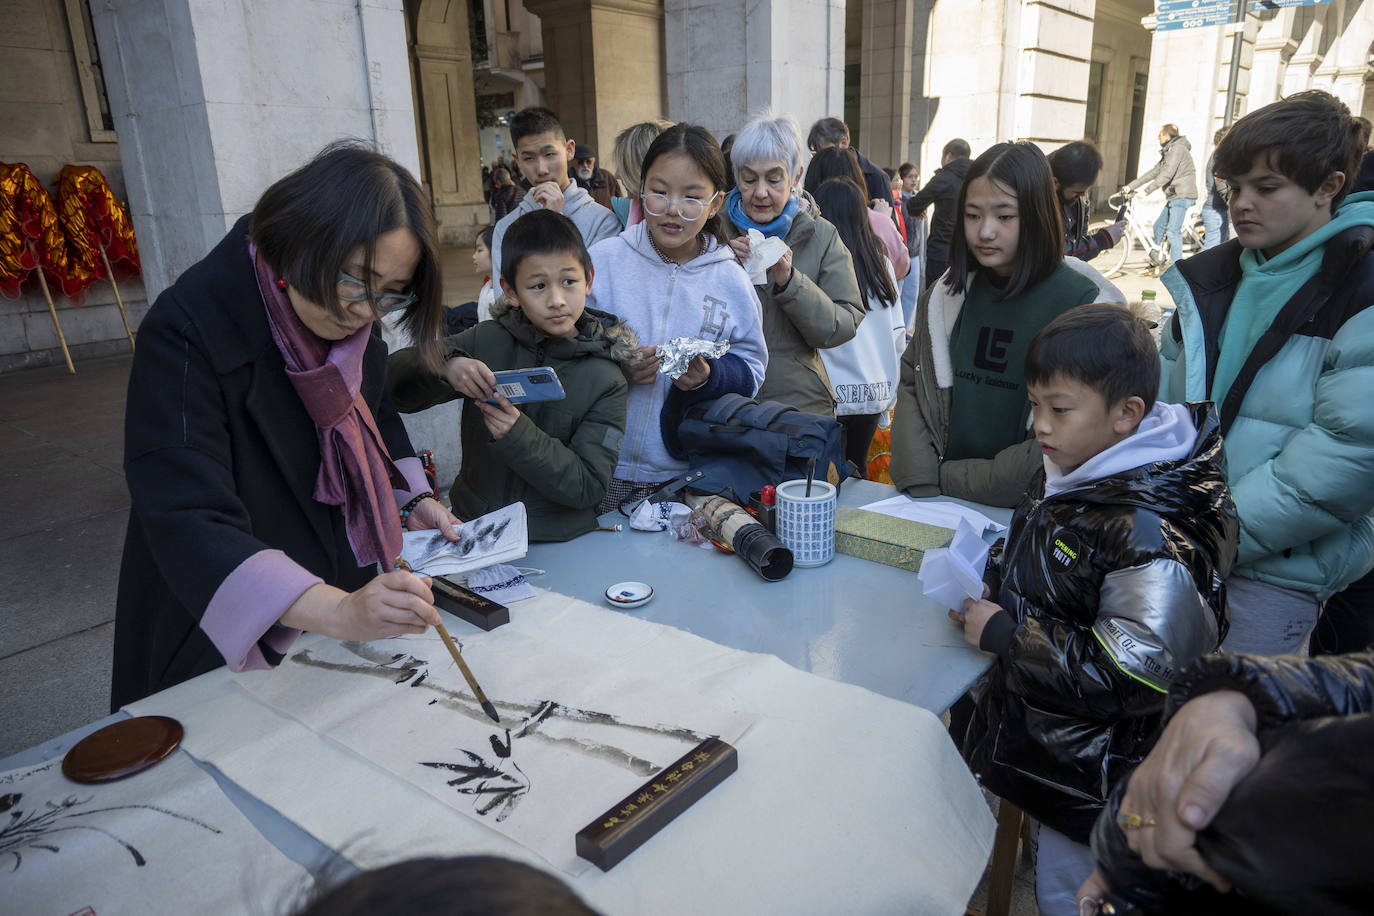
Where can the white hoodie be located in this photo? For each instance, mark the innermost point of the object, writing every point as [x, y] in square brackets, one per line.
[594, 221]
[708, 297]
[1166, 433]
[864, 371]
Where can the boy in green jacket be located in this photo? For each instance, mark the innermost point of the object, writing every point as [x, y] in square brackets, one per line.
[556, 457]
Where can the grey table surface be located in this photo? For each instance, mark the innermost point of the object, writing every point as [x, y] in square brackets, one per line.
[850, 620]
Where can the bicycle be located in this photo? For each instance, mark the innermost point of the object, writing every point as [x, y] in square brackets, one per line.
[1140, 232]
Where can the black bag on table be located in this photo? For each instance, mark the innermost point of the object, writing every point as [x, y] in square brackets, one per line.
[742, 444]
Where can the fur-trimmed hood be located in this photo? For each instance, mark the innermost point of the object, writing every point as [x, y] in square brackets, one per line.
[598, 332]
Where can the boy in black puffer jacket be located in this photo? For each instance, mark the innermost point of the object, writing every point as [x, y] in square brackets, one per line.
[1108, 583]
[556, 457]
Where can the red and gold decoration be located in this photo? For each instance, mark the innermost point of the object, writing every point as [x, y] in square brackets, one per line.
[82, 238]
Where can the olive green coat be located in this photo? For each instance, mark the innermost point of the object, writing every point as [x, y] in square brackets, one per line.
[817, 309]
[559, 456]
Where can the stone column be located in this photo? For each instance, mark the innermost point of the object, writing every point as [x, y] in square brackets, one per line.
[1274, 48]
[1000, 71]
[448, 120]
[214, 101]
[885, 80]
[603, 65]
[728, 59]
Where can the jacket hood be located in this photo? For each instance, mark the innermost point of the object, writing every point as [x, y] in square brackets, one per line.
[1190, 491]
[1166, 433]
[1172, 140]
[637, 238]
[598, 334]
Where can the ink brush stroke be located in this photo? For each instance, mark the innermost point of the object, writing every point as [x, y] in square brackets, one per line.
[487, 706]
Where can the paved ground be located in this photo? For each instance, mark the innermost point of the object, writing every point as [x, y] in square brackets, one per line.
[66, 508]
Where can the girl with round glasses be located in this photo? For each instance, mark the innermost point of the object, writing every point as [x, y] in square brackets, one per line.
[672, 276]
[269, 475]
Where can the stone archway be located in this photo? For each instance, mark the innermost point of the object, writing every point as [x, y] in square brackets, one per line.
[446, 116]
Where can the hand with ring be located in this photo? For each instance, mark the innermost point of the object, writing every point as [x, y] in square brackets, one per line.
[1206, 748]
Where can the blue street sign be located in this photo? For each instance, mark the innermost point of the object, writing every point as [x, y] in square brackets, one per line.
[1194, 14]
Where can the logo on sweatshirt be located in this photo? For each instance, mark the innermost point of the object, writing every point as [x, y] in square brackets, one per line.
[713, 318]
[1066, 550]
[992, 349]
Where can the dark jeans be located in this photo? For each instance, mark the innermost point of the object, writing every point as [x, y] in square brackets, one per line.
[858, 436]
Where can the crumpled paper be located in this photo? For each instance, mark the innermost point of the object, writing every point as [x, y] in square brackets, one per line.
[951, 574]
[676, 355]
[501, 583]
[763, 253]
[654, 516]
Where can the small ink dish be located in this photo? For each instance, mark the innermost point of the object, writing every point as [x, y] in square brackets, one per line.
[629, 595]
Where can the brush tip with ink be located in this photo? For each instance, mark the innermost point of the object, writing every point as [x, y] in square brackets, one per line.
[490, 710]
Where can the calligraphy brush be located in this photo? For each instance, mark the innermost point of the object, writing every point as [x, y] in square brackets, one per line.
[452, 647]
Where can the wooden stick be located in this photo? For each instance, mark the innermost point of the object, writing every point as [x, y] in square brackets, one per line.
[452, 647]
[109, 272]
[52, 309]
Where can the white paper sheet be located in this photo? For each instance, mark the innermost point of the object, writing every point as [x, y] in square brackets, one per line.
[575, 736]
[845, 801]
[934, 512]
[951, 574]
[166, 840]
[497, 537]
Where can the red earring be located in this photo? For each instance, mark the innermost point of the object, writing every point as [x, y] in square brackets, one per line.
[282, 284]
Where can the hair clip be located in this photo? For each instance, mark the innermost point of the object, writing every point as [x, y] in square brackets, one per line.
[282, 284]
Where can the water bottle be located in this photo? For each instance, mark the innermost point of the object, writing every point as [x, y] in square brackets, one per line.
[1146, 308]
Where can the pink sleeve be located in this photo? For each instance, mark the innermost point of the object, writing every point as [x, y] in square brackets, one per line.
[416, 482]
[886, 230]
[242, 616]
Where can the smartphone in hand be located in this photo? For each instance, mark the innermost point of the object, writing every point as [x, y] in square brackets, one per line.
[521, 386]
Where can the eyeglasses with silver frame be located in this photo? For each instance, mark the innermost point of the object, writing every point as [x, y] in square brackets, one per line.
[351, 289]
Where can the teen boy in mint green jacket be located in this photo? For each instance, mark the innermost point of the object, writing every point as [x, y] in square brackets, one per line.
[1276, 327]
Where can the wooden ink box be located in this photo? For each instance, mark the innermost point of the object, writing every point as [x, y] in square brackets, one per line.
[654, 805]
[482, 613]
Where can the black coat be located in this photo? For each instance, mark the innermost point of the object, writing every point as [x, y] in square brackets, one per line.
[943, 191]
[1111, 589]
[1295, 834]
[221, 459]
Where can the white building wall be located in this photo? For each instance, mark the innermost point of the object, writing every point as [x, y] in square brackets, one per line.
[727, 59]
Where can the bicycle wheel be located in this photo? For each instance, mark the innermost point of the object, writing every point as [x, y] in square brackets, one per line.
[1112, 261]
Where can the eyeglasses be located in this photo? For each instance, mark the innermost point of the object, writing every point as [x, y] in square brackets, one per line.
[351, 289]
[689, 208]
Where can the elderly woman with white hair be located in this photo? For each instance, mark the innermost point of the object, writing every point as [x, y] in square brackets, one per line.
[811, 297]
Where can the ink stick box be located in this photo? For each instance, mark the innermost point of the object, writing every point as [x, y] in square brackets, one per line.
[885, 539]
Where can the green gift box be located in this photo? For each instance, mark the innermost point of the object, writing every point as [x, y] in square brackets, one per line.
[886, 539]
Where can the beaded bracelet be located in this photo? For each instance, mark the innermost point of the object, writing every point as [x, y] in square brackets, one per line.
[410, 506]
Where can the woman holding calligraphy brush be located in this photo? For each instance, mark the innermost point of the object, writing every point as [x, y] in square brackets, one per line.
[269, 475]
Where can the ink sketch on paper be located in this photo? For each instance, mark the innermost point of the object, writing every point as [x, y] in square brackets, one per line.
[573, 739]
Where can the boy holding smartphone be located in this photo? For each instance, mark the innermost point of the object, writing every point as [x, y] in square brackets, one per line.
[555, 456]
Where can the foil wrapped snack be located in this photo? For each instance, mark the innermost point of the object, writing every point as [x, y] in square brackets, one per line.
[677, 354]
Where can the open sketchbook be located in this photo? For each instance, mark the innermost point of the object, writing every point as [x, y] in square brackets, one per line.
[497, 537]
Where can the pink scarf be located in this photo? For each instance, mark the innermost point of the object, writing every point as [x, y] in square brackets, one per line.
[356, 471]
